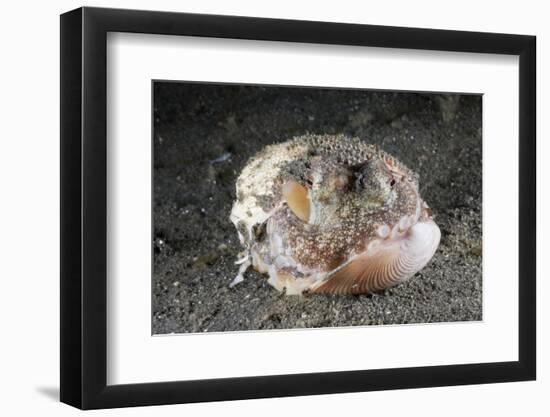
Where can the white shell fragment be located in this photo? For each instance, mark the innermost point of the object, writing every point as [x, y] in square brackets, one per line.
[331, 214]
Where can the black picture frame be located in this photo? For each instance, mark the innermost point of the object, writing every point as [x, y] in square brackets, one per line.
[84, 207]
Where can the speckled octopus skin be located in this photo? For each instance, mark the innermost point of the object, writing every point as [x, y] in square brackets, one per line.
[331, 214]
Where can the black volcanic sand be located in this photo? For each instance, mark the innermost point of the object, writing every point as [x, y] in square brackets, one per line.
[204, 135]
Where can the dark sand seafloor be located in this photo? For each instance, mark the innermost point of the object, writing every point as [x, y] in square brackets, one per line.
[203, 136]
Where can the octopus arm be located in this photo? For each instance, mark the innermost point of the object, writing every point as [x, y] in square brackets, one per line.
[384, 265]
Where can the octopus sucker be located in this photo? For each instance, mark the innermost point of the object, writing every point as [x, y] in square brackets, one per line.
[331, 214]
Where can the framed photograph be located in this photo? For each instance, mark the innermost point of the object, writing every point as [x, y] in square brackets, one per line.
[257, 208]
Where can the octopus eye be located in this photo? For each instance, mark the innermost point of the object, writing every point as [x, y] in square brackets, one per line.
[297, 199]
[341, 181]
[392, 182]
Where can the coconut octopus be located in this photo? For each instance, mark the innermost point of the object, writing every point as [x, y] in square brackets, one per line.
[331, 214]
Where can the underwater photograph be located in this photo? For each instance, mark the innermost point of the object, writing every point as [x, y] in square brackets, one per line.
[284, 207]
